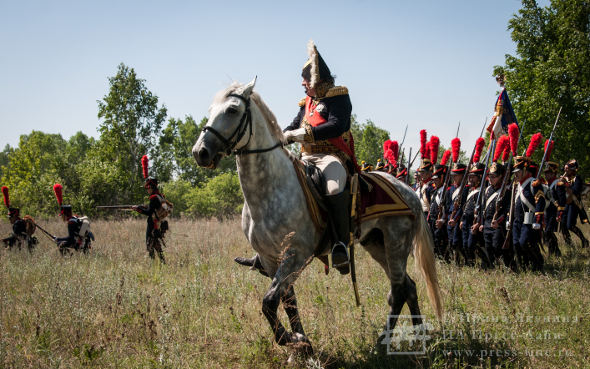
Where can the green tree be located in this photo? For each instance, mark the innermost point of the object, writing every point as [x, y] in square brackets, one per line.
[551, 69]
[130, 128]
[33, 168]
[176, 143]
[5, 158]
[368, 140]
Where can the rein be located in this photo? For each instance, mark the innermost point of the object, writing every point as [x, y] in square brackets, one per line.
[240, 131]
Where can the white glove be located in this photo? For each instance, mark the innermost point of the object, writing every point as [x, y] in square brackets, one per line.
[536, 226]
[295, 135]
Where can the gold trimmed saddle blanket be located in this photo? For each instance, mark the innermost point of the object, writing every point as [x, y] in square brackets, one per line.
[377, 199]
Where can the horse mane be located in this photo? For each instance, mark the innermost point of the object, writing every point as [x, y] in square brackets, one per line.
[268, 115]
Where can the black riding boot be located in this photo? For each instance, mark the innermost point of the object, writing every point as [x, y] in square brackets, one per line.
[339, 208]
[578, 232]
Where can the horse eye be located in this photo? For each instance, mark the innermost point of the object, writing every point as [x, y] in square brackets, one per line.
[231, 110]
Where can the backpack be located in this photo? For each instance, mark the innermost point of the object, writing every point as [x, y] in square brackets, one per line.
[165, 209]
[84, 227]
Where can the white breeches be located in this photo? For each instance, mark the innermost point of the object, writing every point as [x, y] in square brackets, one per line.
[332, 169]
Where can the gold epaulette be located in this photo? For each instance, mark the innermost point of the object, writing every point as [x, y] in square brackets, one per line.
[337, 91]
[538, 195]
[301, 102]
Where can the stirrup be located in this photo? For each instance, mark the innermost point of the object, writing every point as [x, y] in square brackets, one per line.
[340, 258]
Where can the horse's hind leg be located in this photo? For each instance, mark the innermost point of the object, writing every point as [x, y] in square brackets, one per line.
[412, 300]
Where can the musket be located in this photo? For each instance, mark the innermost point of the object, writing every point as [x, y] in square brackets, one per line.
[52, 237]
[506, 244]
[403, 140]
[548, 144]
[458, 203]
[442, 211]
[408, 168]
[410, 163]
[121, 207]
[506, 178]
[478, 205]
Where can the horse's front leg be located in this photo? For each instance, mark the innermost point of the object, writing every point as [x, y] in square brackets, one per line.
[281, 289]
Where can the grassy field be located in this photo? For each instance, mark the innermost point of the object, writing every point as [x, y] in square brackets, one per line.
[115, 308]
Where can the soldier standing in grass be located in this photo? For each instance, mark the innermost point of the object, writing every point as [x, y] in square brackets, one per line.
[71, 240]
[157, 209]
[529, 209]
[569, 190]
[551, 223]
[21, 230]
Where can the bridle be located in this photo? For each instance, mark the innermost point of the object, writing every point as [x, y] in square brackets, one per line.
[245, 125]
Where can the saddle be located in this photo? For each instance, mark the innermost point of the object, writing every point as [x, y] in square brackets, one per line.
[376, 196]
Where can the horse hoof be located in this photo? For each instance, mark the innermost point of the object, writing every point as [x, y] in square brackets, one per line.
[301, 343]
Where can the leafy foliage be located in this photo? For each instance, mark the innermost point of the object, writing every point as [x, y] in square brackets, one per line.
[131, 126]
[368, 140]
[551, 69]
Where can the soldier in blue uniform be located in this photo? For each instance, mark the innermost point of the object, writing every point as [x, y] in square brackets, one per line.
[493, 226]
[569, 189]
[438, 226]
[549, 236]
[71, 241]
[455, 213]
[21, 231]
[471, 236]
[529, 208]
[156, 211]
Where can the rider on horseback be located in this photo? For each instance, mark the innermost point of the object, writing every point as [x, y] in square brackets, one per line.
[322, 126]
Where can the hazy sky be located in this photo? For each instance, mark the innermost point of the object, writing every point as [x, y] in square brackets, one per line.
[427, 64]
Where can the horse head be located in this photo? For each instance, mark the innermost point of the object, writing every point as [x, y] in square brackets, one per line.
[229, 127]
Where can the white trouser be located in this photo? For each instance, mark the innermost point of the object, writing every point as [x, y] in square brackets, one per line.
[333, 171]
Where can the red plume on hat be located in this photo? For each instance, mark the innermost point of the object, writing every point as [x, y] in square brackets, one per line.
[549, 150]
[479, 143]
[423, 148]
[6, 197]
[445, 157]
[144, 166]
[456, 148]
[513, 133]
[506, 152]
[501, 145]
[434, 145]
[535, 141]
[393, 153]
[386, 146]
[57, 189]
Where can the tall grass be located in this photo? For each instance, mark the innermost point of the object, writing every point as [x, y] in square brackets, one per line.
[116, 308]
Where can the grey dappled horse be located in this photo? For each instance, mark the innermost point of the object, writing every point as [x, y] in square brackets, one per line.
[276, 221]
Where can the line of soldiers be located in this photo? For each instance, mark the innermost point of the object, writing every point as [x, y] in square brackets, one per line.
[474, 211]
[79, 236]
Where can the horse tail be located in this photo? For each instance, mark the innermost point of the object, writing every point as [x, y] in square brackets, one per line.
[425, 264]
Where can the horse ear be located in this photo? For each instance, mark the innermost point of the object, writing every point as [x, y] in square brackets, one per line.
[249, 87]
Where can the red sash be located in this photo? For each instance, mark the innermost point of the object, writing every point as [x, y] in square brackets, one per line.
[314, 118]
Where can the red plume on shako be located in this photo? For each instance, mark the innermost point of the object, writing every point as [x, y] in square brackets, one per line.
[434, 144]
[6, 197]
[423, 148]
[513, 133]
[456, 148]
[549, 150]
[501, 145]
[393, 153]
[535, 141]
[144, 166]
[57, 189]
[445, 157]
[479, 143]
